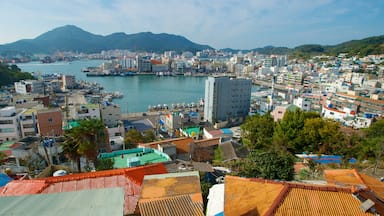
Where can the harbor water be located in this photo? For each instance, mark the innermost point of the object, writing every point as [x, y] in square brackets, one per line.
[139, 91]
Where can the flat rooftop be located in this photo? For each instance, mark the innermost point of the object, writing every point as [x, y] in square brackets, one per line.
[135, 157]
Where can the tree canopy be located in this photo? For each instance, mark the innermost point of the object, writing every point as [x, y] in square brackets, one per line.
[11, 73]
[88, 139]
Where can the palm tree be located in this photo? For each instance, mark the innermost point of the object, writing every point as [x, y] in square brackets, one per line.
[71, 146]
[87, 140]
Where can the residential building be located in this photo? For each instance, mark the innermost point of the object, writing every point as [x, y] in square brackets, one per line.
[69, 81]
[128, 179]
[9, 124]
[28, 123]
[303, 103]
[50, 122]
[84, 111]
[110, 114]
[171, 194]
[252, 196]
[143, 64]
[226, 98]
[29, 86]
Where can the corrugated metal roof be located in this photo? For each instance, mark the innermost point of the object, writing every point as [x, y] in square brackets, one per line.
[176, 205]
[171, 194]
[129, 178]
[301, 201]
[266, 197]
[85, 202]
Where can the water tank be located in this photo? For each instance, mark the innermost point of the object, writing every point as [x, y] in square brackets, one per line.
[60, 173]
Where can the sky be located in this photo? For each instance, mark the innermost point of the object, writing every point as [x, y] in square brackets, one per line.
[244, 24]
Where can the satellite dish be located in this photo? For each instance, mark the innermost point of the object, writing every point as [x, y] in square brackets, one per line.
[60, 173]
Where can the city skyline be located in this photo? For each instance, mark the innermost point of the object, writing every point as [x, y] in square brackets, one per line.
[220, 24]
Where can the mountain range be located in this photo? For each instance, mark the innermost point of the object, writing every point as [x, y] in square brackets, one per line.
[72, 38]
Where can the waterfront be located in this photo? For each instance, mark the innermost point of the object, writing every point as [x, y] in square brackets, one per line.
[139, 91]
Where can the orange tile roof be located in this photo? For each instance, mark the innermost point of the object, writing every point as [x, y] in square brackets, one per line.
[351, 177]
[174, 192]
[266, 197]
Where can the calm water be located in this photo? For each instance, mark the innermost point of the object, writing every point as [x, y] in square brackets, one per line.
[139, 91]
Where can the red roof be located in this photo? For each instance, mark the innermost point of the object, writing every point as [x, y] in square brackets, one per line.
[129, 178]
[22, 187]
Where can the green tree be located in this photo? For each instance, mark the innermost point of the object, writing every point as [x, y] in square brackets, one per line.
[149, 136]
[268, 165]
[132, 138]
[104, 164]
[323, 136]
[87, 139]
[11, 73]
[287, 131]
[373, 144]
[3, 156]
[258, 131]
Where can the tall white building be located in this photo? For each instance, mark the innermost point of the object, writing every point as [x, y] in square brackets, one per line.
[226, 98]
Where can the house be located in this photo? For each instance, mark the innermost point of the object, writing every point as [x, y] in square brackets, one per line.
[130, 179]
[351, 177]
[82, 202]
[252, 196]
[171, 194]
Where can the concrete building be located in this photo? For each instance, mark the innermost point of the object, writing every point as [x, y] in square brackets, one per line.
[303, 103]
[28, 123]
[9, 124]
[69, 82]
[50, 122]
[110, 113]
[226, 98]
[29, 86]
[143, 64]
[84, 111]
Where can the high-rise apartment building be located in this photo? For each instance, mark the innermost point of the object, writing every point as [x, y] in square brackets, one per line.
[226, 98]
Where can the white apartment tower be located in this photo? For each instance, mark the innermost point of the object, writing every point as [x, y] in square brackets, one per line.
[226, 98]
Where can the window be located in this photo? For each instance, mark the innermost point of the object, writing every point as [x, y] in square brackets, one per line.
[50, 120]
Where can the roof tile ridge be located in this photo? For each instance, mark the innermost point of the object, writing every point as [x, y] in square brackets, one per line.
[278, 200]
[80, 176]
[358, 176]
[330, 188]
[45, 186]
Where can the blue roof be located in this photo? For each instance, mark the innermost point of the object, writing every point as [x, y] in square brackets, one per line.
[226, 131]
[327, 159]
[4, 179]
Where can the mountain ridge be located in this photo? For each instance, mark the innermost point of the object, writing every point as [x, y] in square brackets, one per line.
[73, 38]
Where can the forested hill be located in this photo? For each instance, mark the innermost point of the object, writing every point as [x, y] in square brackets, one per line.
[363, 47]
[73, 38]
[11, 73]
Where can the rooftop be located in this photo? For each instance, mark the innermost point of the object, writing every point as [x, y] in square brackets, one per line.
[251, 196]
[171, 194]
[135, 157]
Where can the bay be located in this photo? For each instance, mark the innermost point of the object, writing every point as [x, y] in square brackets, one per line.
[139, 91]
